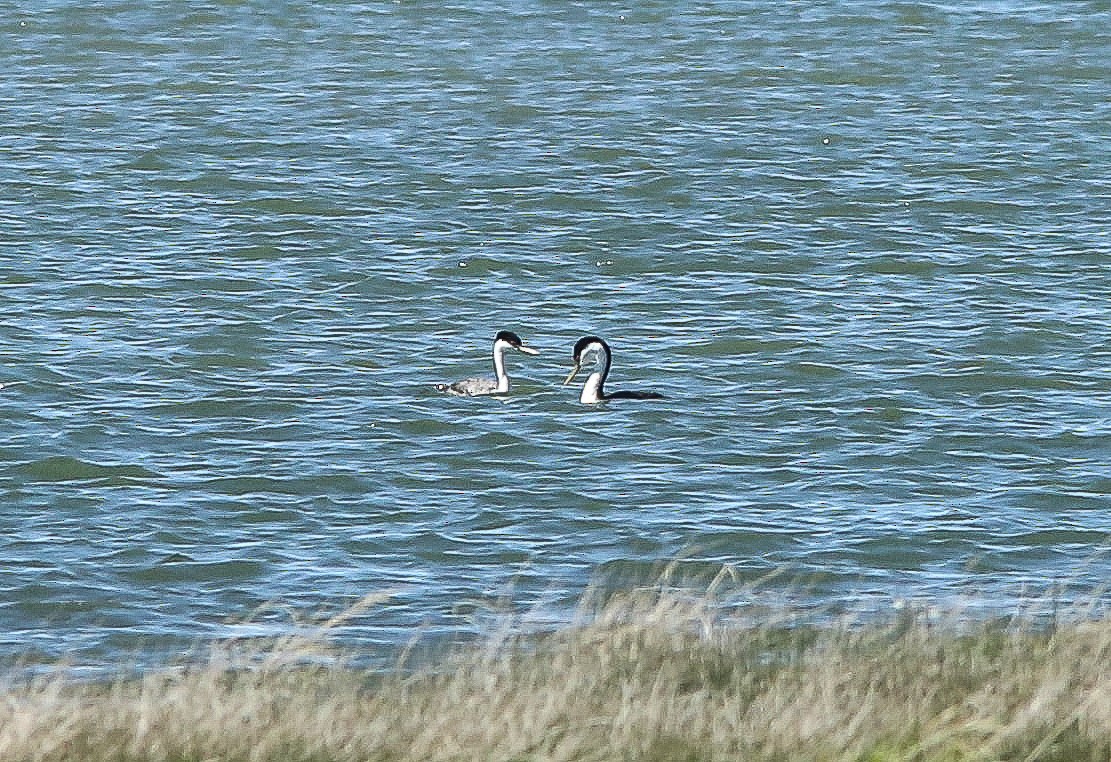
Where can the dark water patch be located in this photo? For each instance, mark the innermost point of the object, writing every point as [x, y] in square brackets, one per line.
[237, 406]
[727, 543]
[64, 468]
[58, 608]
[987, 377]
[1062, 500]
[894, 553]
[249, 513]
[203, 361]
[898, 265]
[815, 370]
[1098, 486]
[277, 485]
[173, 571]
[1064, 538]
[153, 160]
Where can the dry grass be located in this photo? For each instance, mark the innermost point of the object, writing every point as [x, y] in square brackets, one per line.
[652, 676]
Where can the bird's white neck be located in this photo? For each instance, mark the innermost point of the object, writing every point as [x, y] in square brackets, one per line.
[499, 366]
[592, 389]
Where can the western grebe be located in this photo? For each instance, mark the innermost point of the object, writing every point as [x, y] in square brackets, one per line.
[594, 350]
[476, 387]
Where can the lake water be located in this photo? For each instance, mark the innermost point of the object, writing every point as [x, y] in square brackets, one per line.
[863, 248]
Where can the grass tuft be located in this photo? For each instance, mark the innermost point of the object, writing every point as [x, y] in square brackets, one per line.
[649, 677]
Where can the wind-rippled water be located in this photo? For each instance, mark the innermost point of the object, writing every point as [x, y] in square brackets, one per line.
[864, 249]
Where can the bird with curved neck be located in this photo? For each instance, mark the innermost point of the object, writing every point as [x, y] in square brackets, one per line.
[477, 387]
[593, 351]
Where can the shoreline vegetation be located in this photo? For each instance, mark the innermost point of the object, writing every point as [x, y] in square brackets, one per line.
[652, 675]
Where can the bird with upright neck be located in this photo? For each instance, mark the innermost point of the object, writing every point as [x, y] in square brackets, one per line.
[593, 351]
[477, 387]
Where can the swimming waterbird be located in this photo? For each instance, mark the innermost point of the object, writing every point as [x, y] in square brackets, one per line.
[594, 351]
[476, 387]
